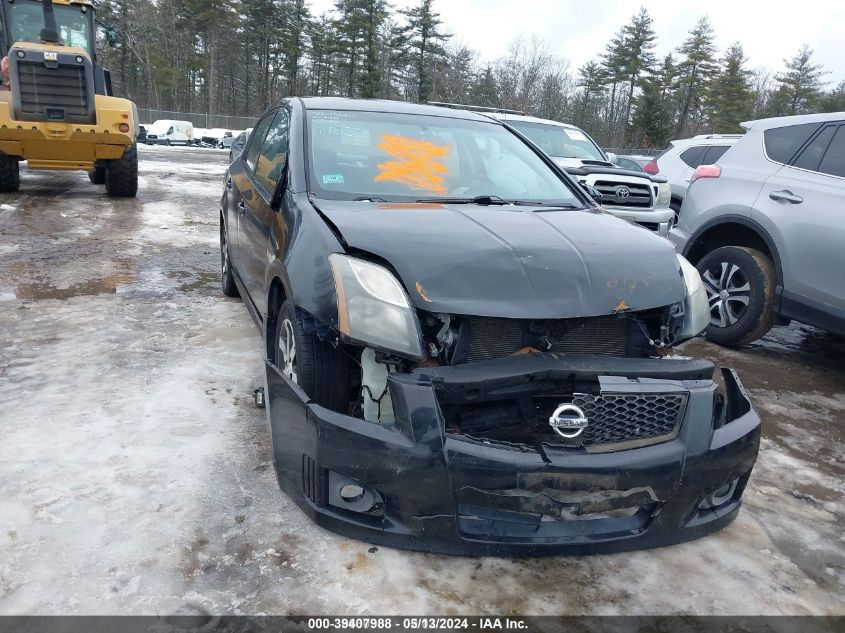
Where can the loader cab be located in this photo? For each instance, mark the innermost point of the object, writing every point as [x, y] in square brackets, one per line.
[23, 21]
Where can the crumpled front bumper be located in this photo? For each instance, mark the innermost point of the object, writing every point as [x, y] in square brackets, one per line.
[417, 486]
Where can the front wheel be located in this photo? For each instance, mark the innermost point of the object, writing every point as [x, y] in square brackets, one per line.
[321, 369]
[740, 284]
[10, 174]
[122, 174]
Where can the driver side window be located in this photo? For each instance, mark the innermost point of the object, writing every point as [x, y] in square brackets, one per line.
[257, 139]
[274, 152]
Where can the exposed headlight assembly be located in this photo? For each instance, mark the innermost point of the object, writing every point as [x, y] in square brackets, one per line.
[373, 308]
[664, 195]
[696, 307]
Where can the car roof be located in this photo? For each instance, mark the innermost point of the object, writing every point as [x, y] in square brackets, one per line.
[706, 139]
[506, 116]
[781, 121]
[388, 106]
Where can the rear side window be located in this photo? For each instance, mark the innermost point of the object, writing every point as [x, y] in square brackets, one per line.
[783, 142]
[833, 162]
[714, 153]
[812, 155]
[694, 155]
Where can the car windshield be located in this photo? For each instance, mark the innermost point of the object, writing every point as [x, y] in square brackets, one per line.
[27, 20]
[409, 157]
[559, 141]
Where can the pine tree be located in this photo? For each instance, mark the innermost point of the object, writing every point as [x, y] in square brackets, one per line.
[373, 15]
[694, 72]
[425, 44]
[294, 28]
[834, 101]
[652, 123]
[801, 84]
[614, 70]
[484, 91]
[639, 43]
[730, 96]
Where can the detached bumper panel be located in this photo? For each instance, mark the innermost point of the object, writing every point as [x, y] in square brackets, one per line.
[421, 485]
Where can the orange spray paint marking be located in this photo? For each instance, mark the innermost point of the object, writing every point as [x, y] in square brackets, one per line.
[415, 163]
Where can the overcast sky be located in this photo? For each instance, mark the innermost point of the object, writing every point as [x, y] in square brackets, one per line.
[578, 31]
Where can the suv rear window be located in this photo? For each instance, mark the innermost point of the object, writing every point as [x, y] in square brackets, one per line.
[834, 161]
[692, 156]
[714, 153]
[783, 142]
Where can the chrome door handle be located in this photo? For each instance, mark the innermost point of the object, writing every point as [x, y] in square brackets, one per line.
[242, 206]
[785, 195]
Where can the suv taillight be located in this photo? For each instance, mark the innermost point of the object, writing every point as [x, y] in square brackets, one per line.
[705, 171]
[651, 167]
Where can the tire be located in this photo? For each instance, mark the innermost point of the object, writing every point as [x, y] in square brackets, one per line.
[230, 289]
[740, 284]
[10, 174]
[167, 142]
[122, 174]
[98, 174]
[319, 368]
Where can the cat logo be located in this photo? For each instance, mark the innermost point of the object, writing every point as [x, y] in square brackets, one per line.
[51, 56]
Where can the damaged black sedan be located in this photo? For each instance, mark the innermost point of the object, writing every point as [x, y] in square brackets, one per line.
[465, 354]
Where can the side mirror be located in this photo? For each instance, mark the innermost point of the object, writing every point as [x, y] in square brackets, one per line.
[595, 194]
[613, 158]
[111, 36]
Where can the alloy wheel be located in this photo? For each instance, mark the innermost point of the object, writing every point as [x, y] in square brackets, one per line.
[728, 293]
[287, 346]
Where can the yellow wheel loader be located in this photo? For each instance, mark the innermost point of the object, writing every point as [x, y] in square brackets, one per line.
[56, 108]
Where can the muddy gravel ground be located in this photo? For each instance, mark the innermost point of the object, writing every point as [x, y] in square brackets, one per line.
[136, 476]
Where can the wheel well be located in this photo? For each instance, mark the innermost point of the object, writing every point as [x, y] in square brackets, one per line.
[731, 234]
[275, 298]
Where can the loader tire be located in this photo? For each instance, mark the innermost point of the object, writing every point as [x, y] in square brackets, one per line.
[122, 174]
[98, 174]
[10, 175]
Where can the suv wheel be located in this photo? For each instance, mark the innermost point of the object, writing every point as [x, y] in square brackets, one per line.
[321, 369]
[740, 284]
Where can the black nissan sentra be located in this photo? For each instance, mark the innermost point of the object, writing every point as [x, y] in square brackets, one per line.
[465, 354]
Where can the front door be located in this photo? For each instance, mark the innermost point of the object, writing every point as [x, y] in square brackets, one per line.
[259, 215]
[803, 206]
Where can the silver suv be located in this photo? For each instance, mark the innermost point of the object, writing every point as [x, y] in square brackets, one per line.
[765, 227]
[679, 160]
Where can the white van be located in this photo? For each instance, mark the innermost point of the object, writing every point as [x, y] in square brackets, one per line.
[167, 132]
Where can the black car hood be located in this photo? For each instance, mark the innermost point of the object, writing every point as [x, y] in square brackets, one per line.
[514, 262]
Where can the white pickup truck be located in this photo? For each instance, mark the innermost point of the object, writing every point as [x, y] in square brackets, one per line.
[631, 195]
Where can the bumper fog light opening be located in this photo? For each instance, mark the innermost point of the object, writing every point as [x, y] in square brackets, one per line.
[720, 496]
[348, 494]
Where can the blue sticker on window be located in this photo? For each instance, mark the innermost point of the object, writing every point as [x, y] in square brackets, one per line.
[333, 179]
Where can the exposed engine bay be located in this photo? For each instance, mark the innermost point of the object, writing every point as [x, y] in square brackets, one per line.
[522, 415]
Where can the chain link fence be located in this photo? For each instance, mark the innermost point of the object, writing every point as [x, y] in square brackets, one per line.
[197, 119]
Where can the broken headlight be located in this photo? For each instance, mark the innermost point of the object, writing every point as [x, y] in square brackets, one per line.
[373, 308]
[696, 307]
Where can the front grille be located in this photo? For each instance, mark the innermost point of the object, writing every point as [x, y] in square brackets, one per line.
[493, 338]
[601, 336]
[53, 94]
[636, 418]
[639, 195]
